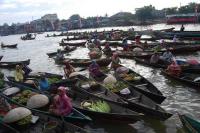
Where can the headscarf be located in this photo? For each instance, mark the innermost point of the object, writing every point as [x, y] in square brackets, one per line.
[107, 45]
[62, 101]
[115, 55]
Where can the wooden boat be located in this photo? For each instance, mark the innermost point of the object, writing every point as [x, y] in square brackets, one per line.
[186, 78]
[86, 62]
[140, 103]
[77, 44]
[191, 125]
[9, 46]
[132, 55]
[39, 126]
[117, 114]
[45, 74]
[62, 51]
[25, 38]
[13, 64]
[85, 85]
[1, 57]
[187, 68]
[75, 116]
[143, 86]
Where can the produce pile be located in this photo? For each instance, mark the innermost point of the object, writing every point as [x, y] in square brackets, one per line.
[53, 80]
[23, 97]
[98, 106]
[25, 120]
[130, 77]
[119, 85]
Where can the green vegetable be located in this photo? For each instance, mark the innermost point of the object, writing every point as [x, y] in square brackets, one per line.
[25, 120]
[53, 80]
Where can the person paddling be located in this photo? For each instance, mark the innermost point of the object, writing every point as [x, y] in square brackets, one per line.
[19, 74]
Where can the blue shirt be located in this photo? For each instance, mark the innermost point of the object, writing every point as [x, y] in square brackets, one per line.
[44, 85]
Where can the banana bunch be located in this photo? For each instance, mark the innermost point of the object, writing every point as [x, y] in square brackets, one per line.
[100, 106]
[25, 120]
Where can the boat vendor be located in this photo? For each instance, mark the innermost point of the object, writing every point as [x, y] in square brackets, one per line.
[94, 70]
[59, 55]
[182, 28]
[167, 57]
[25, 69]
[44, 84]
[61, 103]
[174, 69]
[4, 105]
[115, 61]
[68, 69]
[155, 58]
[97, 43]
[175, 39]
[107, 49]
[19, 74]
[125, 44]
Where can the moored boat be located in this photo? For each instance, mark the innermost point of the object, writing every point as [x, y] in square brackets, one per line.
[86, 62]
[141, 84]
[62, 51]
[75, 116]
[9, 65]
[137, 101]
[9, 46]
[73, 44]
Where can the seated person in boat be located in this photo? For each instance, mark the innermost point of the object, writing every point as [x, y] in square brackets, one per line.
[182, 28]
[67, 47]
[174, 69]
[68, 69]
[137, 39]
[19, 74]
[125, 44]
[107, 49]
[59, 55]
[44, 84]
[167, 57]
[154, 58]
[25, 69]
[4, 105]
[115, 61]
[97, 43]
[61, 103]
[95, 53]
[94, 69]
[174, 39]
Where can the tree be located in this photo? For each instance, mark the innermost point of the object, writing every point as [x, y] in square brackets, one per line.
[170, 11]
[145, 13]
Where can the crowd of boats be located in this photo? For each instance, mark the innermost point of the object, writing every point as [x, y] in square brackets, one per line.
[112, 92]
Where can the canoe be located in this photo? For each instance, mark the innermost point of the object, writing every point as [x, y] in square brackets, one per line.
[9, 46]
[139, 102]
[78, 44]
[75, 116]
[84, 85]
[189, 68]
[186, 78]
[1, 57]
[118, 113]
[143, 86]
[45, 74]
[25, 38]
[190, 124]
[86, 62]
[13, 64]
[54, 83]
[39, 126]
[62, 51]
[132, 55]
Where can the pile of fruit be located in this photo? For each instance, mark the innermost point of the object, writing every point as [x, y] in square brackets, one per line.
[25, 120]
[131, 77]
[98, 106]
[23, 97]
[53, 80]
[119, 85]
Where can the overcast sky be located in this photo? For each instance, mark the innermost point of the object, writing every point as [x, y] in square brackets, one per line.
[26, 10]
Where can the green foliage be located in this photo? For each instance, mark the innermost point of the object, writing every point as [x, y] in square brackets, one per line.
[145, 13]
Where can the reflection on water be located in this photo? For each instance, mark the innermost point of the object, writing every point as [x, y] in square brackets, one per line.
[180, 98]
